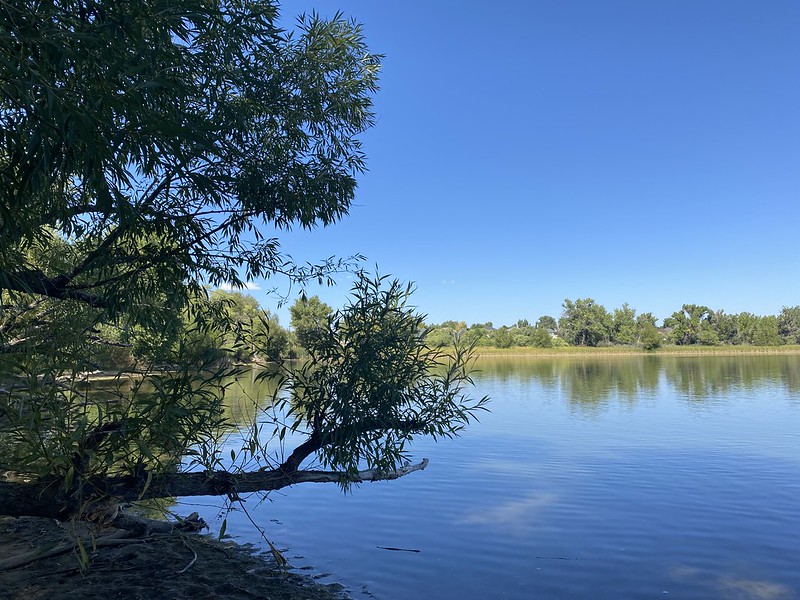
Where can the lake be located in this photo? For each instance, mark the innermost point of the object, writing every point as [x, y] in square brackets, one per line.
[618, 477]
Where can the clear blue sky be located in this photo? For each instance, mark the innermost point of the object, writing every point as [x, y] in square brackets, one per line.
[632, 151]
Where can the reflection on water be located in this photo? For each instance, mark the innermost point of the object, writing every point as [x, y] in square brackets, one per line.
[247, 397]
[513, 514]
[596, 380]
[623, 477]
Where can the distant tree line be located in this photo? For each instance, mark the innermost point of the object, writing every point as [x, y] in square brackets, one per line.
[584, 322]
[233, 327]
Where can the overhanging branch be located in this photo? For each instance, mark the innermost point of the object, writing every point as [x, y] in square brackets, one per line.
[46, 498]
[223, 483]
[35, 282]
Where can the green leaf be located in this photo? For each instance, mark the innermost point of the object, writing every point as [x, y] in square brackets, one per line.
[146, 484]
[68, 478]
[222, 529]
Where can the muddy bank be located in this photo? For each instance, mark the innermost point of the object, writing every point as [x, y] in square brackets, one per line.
[165, 566]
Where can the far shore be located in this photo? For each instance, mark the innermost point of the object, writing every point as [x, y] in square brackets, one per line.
[532, 352]
[591, 352]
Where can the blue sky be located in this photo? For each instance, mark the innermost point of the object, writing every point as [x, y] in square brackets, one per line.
[634, 151]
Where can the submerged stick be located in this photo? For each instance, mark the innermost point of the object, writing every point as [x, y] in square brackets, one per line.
[398, 549]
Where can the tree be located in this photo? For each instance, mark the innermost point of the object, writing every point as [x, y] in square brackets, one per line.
[439, 336]
[445, 333]
[165, 174]
[789, 325]
[756, 330]
[645, 318]
[246, 327]
[540, 338]
[723, 327]
[624, 330]
[477, 334]
[271, 338]
[708, 335]
[649, 336]
[353, 411]
[238, 314]
[358, 410]
[767, 332]
[688, 323]
[584, 322]
[547, 323]
[524, 334]
[309, 319]
[502, 338]
[150, 149]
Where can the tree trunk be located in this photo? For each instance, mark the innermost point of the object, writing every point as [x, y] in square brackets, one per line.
[46, 498]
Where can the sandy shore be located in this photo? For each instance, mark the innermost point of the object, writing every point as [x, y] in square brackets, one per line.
[158, 567]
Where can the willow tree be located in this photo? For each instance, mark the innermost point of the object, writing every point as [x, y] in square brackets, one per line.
[148, 150]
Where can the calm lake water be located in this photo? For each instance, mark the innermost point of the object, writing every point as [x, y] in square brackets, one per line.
[635, 477]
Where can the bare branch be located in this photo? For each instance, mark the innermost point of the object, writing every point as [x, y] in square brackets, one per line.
[33, 281]
[45, 498]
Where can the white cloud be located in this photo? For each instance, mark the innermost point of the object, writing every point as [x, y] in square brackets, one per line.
[514, 515]
[248, 286]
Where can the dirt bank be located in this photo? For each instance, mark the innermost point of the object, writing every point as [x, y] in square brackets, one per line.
[158, 567]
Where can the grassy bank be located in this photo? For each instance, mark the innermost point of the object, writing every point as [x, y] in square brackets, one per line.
[633, 351]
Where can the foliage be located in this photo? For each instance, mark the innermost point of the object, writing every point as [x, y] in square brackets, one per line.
[584, 323]
[446, 333]
[723, 326]
[789, 325]
[162, 139]
[525, 335]
[692, 325]
[756, 330]
[686, 323]
[146, 149]
[502, 338]
[159, 135]
[644, 319]
[439, 336]
[245, 329]
[623, 329]
[271, 338]
[62, 428]
[372, 384]
[649, 336]
[547, 323]
[150, 150]
[309, 319]
[478, 334]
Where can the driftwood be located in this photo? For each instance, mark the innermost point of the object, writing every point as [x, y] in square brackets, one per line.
[112, 539]
[128, 529]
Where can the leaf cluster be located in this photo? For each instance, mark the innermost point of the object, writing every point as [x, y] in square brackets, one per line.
[372, 383]
[163, 138]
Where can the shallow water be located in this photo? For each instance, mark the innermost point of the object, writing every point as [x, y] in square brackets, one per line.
[625, 477]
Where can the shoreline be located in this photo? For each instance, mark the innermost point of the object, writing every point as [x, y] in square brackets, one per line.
[536, 352]
[617, 351]
[175, 566]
